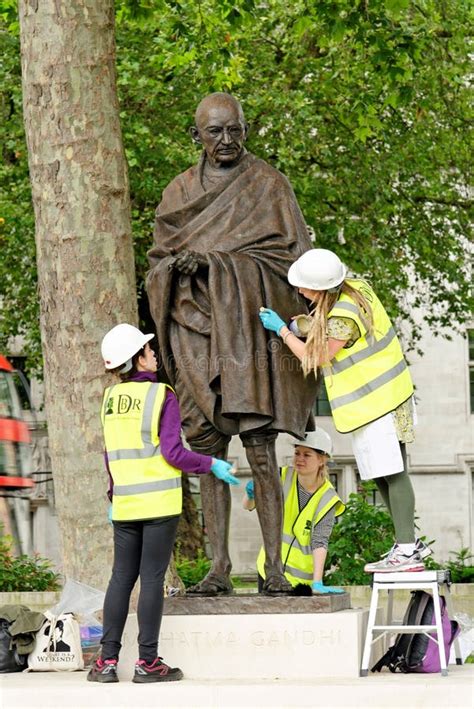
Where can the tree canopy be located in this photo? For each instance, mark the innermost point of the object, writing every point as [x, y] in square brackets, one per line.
[363, 105]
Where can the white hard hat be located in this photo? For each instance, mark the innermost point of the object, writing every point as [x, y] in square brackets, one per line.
[121, 343]
[318, 269]
[318, 440]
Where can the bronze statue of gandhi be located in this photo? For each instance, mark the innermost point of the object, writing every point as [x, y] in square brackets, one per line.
[226, 232]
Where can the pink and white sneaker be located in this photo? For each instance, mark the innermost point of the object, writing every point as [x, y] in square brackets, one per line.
[396, 560]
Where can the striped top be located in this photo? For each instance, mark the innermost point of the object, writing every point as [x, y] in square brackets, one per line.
[322, 530]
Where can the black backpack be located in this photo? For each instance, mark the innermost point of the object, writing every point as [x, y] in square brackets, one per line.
[417, 652]
[10, 660]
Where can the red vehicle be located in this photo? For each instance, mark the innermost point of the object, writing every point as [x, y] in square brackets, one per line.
[15, 438]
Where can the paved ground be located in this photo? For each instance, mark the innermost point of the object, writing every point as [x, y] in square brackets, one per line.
[71, 691]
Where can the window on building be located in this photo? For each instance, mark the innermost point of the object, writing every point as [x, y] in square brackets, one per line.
[322, 406]
[470, 336]
[335, 476]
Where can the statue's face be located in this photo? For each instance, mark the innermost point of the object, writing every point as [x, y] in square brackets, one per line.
[222, 132]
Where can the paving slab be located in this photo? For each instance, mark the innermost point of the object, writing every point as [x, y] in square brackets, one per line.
[71, 690]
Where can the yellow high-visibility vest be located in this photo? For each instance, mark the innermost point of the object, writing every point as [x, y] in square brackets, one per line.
[370, 378]
[296, 553]
[145, 485]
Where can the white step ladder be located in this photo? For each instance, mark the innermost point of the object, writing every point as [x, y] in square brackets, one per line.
[409, 581]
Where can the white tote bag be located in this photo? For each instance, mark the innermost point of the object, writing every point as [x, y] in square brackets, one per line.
[57, 645]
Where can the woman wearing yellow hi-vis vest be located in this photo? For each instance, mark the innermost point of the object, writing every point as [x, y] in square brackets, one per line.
[144, 458]
[310, 506]
[350, 337]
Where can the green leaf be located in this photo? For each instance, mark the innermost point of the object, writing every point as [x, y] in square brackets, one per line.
[396, 7]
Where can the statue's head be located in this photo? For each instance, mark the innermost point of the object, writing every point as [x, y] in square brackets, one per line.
[220, 128]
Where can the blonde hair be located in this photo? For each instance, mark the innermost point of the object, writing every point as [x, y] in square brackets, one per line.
[323, 472]
[316, 350]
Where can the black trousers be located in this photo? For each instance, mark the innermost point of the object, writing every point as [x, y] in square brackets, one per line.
[140, 549]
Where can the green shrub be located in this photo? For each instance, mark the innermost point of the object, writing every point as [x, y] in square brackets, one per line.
[191, 571]
[25, 573]
[363, 533]
[461, 571]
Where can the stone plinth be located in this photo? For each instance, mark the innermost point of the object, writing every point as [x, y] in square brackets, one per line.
[255, 604]
[256, 638]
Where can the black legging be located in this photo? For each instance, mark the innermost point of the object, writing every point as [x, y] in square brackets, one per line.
[140, 549]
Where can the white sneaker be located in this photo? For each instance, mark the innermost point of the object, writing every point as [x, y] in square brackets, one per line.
[423, 550]
[396, 560]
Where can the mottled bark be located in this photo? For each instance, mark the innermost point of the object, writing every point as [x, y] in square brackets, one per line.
[84, 249]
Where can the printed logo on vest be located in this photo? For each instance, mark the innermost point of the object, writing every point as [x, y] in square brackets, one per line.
[308, 526]
[126, 403]
[109, 406]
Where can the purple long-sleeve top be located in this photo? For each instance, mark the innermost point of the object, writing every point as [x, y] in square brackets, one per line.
[171, 445]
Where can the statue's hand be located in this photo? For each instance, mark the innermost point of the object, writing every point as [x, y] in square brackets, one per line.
[188, 262]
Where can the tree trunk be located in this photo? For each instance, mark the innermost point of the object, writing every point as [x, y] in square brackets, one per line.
[84, 250]
[190, 537]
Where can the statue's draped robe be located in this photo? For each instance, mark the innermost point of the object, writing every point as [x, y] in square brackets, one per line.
[251, 230]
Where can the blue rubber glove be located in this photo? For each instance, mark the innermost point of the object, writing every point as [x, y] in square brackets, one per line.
[319, 587]
[109, 514]
[271, 320]
[221, 469]
[249, 490]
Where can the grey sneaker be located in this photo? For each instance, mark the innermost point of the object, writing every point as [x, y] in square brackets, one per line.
[156, 671]
[103, 671]
[396, 560]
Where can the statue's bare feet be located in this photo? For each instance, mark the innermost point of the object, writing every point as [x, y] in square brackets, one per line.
[212, 585]
[276, 584]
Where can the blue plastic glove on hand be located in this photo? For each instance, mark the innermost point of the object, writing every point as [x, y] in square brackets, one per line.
[250, 490]
[109, 514]
[319, 587]
[271, 320]
[221, 469]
